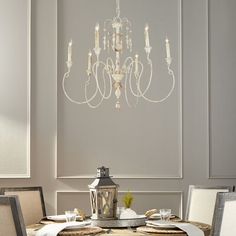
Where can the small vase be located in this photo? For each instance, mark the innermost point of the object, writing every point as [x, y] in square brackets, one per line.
[128, 213]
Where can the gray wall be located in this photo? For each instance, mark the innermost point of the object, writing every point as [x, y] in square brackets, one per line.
[205, 132]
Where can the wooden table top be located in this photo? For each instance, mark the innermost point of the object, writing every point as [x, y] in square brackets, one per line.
[140, 231]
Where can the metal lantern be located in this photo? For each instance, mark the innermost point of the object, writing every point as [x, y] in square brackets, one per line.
[103, 196]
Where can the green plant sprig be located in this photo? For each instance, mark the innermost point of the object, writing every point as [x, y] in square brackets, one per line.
[128, 200]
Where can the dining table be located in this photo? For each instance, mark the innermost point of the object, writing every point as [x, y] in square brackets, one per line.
[134, 231]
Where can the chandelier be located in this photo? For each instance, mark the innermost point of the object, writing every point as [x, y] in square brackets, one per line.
[116, 75]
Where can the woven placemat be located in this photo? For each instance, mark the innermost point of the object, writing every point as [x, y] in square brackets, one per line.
[148, 229]
[81, 231]
[156, 230]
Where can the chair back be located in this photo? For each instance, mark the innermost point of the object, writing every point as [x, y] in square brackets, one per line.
[31, 200]
[201, 202]
[224, 223]
[11, 219]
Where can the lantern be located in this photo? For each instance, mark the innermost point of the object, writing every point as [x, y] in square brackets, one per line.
[103, 196]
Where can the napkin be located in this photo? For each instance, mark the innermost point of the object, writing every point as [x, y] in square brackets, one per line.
[189, 228]
[54, 229]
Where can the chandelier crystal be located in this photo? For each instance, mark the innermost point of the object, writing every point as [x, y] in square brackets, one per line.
[117, 75]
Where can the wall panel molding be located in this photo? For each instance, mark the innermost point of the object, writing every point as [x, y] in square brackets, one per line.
[211, 156]
[177, 174]
[154, 198]
[15, 69]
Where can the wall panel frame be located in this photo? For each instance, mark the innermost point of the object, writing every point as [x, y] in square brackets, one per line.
[179, 173]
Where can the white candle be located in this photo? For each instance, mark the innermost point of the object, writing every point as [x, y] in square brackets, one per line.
[146, 35]
[167, 48]
[69, 51]
[97, 36]
[89, 60]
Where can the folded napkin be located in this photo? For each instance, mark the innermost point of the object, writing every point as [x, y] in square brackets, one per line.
[189, 228]
[54, 229]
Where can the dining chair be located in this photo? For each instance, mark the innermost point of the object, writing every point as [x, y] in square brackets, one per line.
[11, 219]
[223, 223]
[201, 202]
[31, 201]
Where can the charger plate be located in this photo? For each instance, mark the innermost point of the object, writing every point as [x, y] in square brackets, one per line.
[156, 230]
[148, 229]
[81, 231]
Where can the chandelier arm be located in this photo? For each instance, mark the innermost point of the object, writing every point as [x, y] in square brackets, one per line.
[126, 61]
[95, 74]
[66, 75]
[112, 63]
[126, 94]
[137, 80]
[150, 77]
[171, 73]
[97, 89]
[130, 79]
[89, 101]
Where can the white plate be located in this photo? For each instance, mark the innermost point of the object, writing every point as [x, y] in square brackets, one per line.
[77, 225]
[60, 217]
[160, 224]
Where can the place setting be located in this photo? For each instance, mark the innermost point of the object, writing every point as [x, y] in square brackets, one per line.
[166, 223]
[70, 223]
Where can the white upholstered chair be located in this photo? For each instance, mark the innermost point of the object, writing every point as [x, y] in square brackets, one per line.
[201, 202]
[31, 201]
[11, 219]
[224, 220]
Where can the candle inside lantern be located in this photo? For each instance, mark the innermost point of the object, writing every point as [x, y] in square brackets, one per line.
[69, 51]
[167, 48]
[97, 36]
[146, 35]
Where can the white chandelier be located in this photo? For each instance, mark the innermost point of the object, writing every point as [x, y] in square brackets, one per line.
[113, 73]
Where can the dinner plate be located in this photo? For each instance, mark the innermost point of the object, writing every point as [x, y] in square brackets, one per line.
[61, 218]
[160, 224]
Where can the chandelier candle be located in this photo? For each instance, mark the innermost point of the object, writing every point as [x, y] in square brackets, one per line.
[167, 48]
[70, 51]
[97, 36]
[118, 73]
[89, 63]
[146, 35]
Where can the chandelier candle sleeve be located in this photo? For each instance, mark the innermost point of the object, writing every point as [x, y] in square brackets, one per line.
[167, 48]
[146, 35]
[97, 36]
[69, 51]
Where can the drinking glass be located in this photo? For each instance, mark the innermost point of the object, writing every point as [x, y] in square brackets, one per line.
[165, 214]
[119, 210]
[70, 216]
